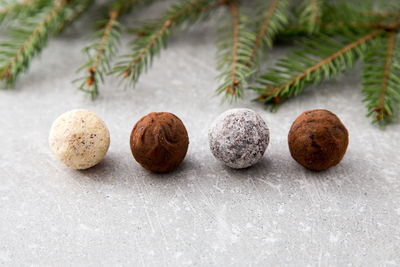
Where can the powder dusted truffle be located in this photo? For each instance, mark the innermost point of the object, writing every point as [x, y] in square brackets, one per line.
[159, 142]
[318, 139]
[79, 139]
[238, 138]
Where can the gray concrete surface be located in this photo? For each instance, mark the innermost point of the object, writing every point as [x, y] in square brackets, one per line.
[204, 214]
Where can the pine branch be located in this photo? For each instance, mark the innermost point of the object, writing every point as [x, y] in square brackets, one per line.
[26, 41]
[104, 47]
[294, 32]
[315, 12]
[22, 8]
[234, 49]
[28, 36]
[383, 14]
[274, 18]
[309, 14]
[322, 56]
[74, 13]
[338, 16]
[147, 46]
[381, 85]
[235, 25]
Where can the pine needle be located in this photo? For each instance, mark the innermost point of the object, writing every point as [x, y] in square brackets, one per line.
[302, 67]
[22, 8]
[104, 47]
[309, 14]
[274, 19]
[146, 46]
[16, 59]
[234, 48]
[381, 85]
[335, 34]
[235, 25]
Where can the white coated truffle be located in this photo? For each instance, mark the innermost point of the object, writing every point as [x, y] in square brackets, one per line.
[79, 138]
[238, 138]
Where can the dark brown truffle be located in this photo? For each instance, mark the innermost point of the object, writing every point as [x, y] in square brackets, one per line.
[159, 142]
[318, 139]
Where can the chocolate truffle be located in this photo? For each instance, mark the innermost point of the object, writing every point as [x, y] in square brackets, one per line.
[79, 139]
[318, 139]
[238, 138]
[159, 142]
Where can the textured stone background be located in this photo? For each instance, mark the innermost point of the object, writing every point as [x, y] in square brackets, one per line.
[204, 214]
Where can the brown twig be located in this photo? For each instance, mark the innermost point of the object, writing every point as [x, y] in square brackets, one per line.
[381, 14]
[262, 31]
[393, 26]
[235, 20]
[342, 51]
[5, 72]
[168, 23]
[389, 55]
[374, 25]
[314, 11]
[218, 4]
[110, 24]
[6, 9]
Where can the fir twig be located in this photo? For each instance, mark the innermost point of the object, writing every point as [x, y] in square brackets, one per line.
[93, 70]
[104, 47]
[338, 33]
[381, 79]
[146, 46]
[380, 109]
[262, 30]
[301, 68]
[73, 14]
[234, 47]
[235, 25]
[16, 59]
[309, 13]
[274, 19]
[382, 14]
[22, 8]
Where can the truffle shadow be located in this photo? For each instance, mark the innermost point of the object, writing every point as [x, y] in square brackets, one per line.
[104, 171]
[260, 167]
[179, 173]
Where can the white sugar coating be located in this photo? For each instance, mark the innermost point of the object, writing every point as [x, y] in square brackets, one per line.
[79, 138]
[239, 138]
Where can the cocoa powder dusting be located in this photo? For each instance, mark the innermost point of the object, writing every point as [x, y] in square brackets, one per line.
[159, 142]
[318, 139]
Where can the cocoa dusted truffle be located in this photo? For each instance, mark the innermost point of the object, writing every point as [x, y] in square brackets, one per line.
[159, 142]
[318, 139]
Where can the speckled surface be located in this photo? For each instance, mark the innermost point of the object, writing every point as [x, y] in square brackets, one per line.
[238, 138]
[117, 214]
[79, 139]
[318, 140]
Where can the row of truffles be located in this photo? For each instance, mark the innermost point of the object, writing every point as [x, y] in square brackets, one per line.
[238, 137]
[317, 139]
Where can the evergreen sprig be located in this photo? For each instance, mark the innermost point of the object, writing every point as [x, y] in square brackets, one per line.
[309, 14]
[234, 45]
[28, 37]
[381, 74]
[319, 58]
[272, 18]
[74, 11]
[104, 47]
[147, 45]
[334, 35]
[11, 10]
